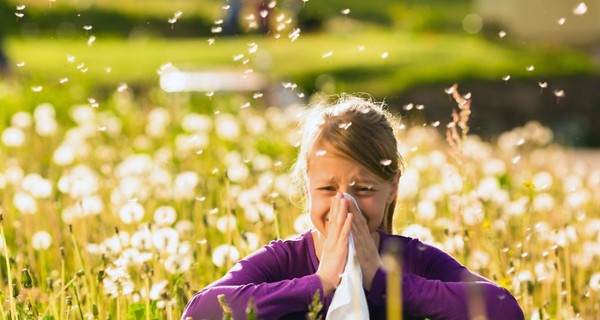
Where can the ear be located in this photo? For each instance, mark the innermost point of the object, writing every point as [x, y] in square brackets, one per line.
[394, 192]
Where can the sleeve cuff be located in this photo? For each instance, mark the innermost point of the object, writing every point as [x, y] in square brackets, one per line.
[313, 284]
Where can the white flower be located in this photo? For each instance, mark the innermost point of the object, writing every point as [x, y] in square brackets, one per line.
[81, 181]
[14, 174]
[238, 172]
[419, 232]
[185, 184]
[131, 212]
[64, 155]
[24, 203]
[226, 223]
[187, 143]
[91, 205]
[261, 162]
[165, 240]
[22, 120]
[37, 186]
[165, 215]
[577, 199]
[227, 126]
[194, 122]
[157, 289]
[454, 244]
[494, 167]
[13, 137]
[158, 120]
[82, 114]
[517, 207]
[185, 228]
[595, 281]
[542, 180]
[543, 202]
[545, 271]
[420, 162]
[117, 282]
[452, 182]
[223, 253]
[426, 210]
[487, 187]
[302, 223]
[256, 125]
[251, 241]
[479, 259]
[45, 127]
[44, 110]
[141, 239]
[409, 184]
[41, 240]
[473, 213]
[175, 264]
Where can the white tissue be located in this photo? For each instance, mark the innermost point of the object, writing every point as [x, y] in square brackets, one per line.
[349, 301]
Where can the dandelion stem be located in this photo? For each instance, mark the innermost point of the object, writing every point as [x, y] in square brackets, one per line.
[147, 283]
[13, 307]
[82, 266]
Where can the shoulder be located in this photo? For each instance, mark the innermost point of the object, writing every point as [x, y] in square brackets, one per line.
[293, 246]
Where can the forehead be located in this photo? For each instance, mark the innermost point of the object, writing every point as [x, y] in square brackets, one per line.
[326, 163]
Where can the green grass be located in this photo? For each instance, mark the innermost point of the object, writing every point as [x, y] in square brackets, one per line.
[413, 59]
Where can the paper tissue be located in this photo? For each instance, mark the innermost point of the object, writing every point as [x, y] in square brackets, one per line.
[349, 301]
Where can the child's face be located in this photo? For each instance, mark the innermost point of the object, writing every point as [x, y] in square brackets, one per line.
[329, 172]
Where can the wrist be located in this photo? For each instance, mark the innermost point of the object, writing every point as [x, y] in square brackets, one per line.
[328, 286]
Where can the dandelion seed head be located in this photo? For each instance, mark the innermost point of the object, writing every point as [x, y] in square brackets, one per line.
[41, 240]
[327, 54]
[506, 77]
[24, 203]
[559, 93]
[225, 252]
[13, 137]
[165, 215]
[530, 68]
[345, 11]
[580, 9]
[131, 212]
[91, 40]
[561, 21]
[502, 34]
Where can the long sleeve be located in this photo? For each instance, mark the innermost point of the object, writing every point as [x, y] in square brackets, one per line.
[436, 286]
[279, 279]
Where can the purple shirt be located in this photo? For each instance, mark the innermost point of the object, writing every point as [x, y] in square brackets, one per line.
[281, 277]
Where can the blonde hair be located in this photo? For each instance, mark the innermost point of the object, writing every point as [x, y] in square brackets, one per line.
[358, 128]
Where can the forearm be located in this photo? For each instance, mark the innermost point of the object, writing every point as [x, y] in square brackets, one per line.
[273, 300]
[449, 300]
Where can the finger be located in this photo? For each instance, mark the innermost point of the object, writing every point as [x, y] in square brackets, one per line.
[347, 227]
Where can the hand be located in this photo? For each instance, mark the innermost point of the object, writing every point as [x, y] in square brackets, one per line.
[335, 246]
[366, 248]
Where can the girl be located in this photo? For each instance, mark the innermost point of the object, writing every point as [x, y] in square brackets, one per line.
[350, 147]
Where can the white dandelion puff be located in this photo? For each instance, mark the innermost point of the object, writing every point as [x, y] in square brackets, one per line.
[224, 253]
[131, 212]
[41, 240]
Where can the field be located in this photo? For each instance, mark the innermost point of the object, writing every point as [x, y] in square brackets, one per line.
[126, 209]
[120, 200]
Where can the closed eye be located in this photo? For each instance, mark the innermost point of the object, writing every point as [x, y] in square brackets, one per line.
[364, 189]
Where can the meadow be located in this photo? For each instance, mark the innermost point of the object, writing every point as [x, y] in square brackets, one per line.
[120, 200]
[124, 210]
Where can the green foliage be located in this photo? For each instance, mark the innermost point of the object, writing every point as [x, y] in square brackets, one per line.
[315, 308]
